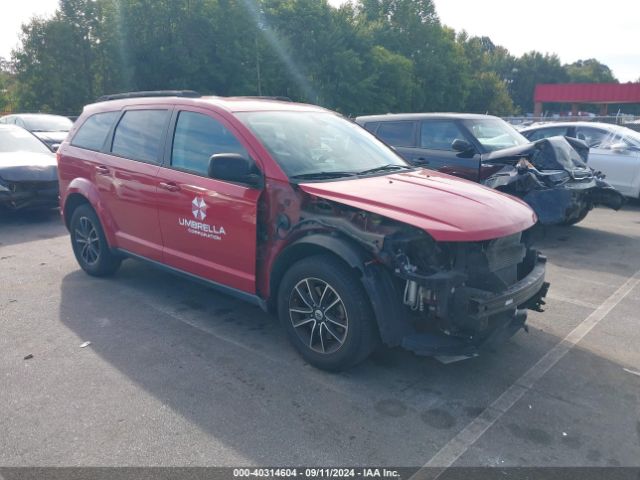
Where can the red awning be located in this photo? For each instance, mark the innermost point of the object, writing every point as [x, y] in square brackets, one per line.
[588, 93]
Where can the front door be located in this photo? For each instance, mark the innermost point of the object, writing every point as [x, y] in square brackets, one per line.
[435, 147]
[208, 226]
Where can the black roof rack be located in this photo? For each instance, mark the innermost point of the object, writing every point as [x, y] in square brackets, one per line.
[266, 97]
[150, 93]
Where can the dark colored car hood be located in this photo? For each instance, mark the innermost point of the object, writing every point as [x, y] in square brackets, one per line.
[555, 153]
[555, 179]
[28, 167]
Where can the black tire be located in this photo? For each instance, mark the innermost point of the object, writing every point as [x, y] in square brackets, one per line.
[345, 332]
[581, 216]
[90, 244]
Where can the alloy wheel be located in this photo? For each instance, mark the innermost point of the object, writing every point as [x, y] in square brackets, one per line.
[318, 315]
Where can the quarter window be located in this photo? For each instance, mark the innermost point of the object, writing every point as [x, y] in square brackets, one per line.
[197, 137]
[397, 134]
[439, 135]
[94, 130]
[139, 135]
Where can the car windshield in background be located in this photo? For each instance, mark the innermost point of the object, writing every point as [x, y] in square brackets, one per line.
[628, 136]
[47, 123]
[495, 134]
[316, 145]
[19, 140]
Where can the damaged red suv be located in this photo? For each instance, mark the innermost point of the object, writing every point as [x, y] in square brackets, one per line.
[303, 213]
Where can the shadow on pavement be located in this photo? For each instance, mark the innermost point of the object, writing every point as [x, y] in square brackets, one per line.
[28, 225]
[243, 385]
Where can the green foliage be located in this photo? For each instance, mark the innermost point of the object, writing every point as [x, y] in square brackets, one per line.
[367, 56]
[589, 71]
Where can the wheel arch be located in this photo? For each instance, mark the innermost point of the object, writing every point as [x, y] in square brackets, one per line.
[376, 280]
[81, 191]
[315, 244]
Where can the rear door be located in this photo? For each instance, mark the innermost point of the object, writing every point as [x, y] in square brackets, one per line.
[208, 226]
[436, 151]
[126, 178]
[401, 135]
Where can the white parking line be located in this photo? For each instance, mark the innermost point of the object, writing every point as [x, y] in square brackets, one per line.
[459, 444]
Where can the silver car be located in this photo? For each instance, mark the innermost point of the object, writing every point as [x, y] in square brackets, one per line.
[614, 150]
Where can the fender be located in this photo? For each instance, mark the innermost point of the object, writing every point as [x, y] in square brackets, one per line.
[376, 279]
[88, 190]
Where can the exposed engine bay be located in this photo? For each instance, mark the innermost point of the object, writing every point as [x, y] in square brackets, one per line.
[552, 176]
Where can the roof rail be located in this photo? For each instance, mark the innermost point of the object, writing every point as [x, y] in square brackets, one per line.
[150, 93]
[266, 97]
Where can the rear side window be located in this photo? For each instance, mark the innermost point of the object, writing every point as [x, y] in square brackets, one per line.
[397, 134]
[198, 137]
[94, 130]
[139, 135]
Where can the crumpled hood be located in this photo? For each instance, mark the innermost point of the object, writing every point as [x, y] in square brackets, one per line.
[446, 207]
[554, 153]
[28, 167]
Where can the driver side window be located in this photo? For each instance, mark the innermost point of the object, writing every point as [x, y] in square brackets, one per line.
[593, 137]
[197, 137]
[440, 135]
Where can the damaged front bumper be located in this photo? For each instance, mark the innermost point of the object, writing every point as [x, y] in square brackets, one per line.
[23, 195]
[478, 303]
[503, 314]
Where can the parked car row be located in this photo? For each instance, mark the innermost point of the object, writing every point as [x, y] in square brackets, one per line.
[51, 129]
[551, 175]
[353, 238]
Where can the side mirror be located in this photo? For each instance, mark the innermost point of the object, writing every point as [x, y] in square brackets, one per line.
[234, 168]
[460, 145]
[55, 147]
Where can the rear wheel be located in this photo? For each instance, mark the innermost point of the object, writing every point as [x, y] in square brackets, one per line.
[326, 312]
[90, 245]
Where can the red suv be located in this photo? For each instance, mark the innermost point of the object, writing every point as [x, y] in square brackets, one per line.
[304, 213]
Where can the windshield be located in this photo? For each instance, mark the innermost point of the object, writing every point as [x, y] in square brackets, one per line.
[47, 123]
[628, 136]
[495, 134]
[19, 140]
[307, 144]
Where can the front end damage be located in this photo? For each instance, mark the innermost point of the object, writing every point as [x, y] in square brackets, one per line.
[28, 183]
[436, 298]
[552, 177]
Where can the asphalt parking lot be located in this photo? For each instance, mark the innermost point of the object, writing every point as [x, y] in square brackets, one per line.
[177, 374]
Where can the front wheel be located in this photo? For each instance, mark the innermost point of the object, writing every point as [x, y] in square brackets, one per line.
[90, 245]
[327, 314]
[577, 219]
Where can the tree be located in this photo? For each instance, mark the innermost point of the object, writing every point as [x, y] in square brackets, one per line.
[589, 71]
[531, 69]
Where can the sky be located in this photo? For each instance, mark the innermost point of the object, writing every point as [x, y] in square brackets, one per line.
[573, 29]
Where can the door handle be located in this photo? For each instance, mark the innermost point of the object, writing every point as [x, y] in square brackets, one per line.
[102, 170]
[171, 187]
[423, 160]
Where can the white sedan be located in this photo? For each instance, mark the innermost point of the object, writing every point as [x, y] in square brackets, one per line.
[614, 150]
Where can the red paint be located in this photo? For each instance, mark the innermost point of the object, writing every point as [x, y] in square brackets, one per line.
[588, 93]
[446, 207]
